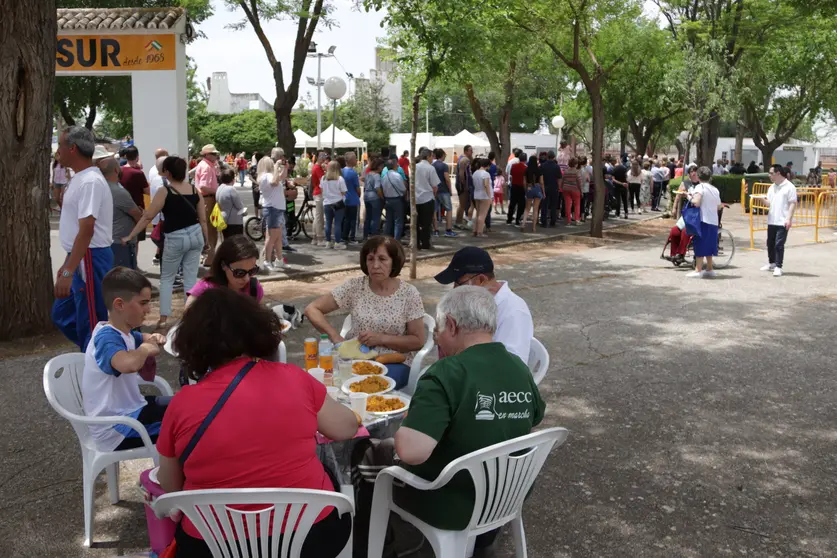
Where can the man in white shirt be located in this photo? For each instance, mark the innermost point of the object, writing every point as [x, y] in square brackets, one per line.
[513, 161]
[781, 198]
[658, 177]
[85, 231]
[426, 184]
[473, 266]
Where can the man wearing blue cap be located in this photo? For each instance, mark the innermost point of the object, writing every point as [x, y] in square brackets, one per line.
[473, 266]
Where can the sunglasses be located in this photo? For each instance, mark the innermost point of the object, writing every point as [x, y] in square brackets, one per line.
[460, 282]
[242, 273]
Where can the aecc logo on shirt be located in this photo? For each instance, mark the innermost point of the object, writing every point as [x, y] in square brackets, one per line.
[486, 405]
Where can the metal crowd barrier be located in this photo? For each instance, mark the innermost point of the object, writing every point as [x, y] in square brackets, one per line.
[816, 208]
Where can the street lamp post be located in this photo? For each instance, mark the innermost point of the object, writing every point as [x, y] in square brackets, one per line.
[558, 123]
[312, 53]
[335, 88]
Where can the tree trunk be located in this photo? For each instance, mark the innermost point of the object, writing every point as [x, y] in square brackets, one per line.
[708, 140]
[92, 103]
[623, 140]
[740, 128]
[27, 77]
[641, 143]
[284, 131]
[767, 152]
[597, 105]
[679, 145]
[65, 114]
[479, 115]
[505, 140]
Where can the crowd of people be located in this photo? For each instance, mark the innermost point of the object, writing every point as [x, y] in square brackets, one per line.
[482, 333]
[483, 329]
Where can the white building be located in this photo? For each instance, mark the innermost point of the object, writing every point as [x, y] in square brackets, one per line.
[383, 76]
[224, 102]
[803, 154]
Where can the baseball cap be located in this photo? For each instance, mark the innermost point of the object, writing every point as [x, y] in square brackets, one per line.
[468, 260]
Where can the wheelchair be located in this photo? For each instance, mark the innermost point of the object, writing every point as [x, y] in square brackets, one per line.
[721, 259]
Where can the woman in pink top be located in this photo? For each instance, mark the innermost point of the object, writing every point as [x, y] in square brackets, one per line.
[235, 267]
[264, 435]
[571, 190]
[499, 190]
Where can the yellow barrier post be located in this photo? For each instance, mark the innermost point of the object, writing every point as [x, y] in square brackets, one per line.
[758, 211]
[826, 212]
[820, 200]
[743, 196]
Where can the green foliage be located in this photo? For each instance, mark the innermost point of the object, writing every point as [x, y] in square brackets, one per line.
[641, 93]
[251, 130]
[789, 79]
[365, 115]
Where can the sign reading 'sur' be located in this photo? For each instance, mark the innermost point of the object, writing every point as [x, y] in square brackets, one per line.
[114, 53]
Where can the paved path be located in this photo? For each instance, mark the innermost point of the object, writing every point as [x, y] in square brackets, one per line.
[310, 260]
[701, 412]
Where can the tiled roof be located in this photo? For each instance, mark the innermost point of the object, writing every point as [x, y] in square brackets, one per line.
[118, 18]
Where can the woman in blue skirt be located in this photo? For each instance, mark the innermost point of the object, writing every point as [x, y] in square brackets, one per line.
[708, 199]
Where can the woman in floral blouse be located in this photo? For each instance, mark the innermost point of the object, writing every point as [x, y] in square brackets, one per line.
[386, 311]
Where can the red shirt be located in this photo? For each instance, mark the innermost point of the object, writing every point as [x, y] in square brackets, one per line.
[135, 182]
[518, 174]
[317, 174]
[263, 437]
[241, 163]
[404, 163]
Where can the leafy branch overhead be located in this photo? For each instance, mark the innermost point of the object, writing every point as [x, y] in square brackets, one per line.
[308, 15]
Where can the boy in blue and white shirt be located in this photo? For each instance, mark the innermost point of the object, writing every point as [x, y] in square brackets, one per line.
[110, 383]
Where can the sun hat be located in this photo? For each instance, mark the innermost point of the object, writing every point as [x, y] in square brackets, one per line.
[208, 148]
[101, 153]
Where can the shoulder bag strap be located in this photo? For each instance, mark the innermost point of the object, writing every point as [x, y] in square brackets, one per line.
[179, 195]
[214, 412]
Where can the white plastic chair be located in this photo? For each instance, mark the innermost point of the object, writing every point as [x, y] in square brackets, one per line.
[501, 480]
[62, 386]
[538, 361]
[217, 522]
[169, 347]
[416, 368]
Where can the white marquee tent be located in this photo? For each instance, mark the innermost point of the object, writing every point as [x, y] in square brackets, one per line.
[301, 138]
[342, 139]
[455, 143]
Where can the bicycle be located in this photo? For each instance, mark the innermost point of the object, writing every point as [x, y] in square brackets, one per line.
[295, 221]
[726, 248]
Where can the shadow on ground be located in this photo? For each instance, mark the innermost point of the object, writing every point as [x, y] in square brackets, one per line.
[701, 413]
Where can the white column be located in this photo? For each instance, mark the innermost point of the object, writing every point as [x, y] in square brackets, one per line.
[159, 110]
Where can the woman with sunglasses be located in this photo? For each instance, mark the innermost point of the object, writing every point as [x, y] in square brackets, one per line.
[234, 267]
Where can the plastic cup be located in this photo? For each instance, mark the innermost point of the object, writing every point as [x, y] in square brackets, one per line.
[358, 403]
[318, 374]
[344, 368]
[333, 391]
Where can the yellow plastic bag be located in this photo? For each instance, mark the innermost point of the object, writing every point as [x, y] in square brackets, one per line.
[217, 219]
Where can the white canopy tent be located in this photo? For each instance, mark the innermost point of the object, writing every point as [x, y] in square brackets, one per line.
[465, 137]
[450, 144]
[342, 139]
[301, 138]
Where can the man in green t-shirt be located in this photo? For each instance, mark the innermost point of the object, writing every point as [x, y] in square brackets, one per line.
[477, 396]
